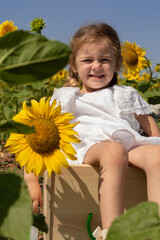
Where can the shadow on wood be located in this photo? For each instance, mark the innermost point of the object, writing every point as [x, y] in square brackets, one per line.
[70, 197]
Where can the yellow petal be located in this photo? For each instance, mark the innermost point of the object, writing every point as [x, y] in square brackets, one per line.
[28, 110]
[61, 159]
[35, 107]
[47, 109]
[68, 131]
[55, 112]
[42, 104]
[13, 138]
[70, 156]
[17, 148]
[42, 170]
[72, 138]
[52, 165]
[67, 147]
[63, 118]
[29, 165]
[54, 103]
[24, 156]
[39, 164]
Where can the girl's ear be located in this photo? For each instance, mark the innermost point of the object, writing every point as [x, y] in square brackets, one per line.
[73, 67]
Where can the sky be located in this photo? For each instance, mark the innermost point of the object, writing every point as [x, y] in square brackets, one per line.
[134, 20]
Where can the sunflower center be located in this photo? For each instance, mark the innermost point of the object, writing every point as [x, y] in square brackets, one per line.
[130, 57]
[46, 138]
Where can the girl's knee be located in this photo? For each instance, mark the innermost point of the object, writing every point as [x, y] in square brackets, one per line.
[114, 153]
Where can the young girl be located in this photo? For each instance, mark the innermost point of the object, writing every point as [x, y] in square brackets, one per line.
[111, 120]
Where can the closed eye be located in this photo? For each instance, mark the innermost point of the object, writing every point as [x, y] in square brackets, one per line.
[87, 60]
[105, 60]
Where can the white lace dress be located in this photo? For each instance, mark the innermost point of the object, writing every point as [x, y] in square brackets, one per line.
[106, 114]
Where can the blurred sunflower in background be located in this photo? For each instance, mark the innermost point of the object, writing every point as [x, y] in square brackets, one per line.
[60, 75]
[130, 74]
[7, 26]
[145, 77]
[50, 145]
[157, 68]
[133, 57]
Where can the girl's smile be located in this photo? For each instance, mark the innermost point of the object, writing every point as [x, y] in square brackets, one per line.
[95, 64]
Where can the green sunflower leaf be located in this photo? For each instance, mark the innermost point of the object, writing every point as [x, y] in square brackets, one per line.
[39, 222]
[27, 57]
[139, 223]
[15, 127]
[15, 208]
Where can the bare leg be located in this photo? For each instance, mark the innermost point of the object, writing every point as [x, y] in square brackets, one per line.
[147, 157]
[112, 158]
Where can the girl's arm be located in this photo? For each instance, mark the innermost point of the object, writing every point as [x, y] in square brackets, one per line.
[149, 125]
[34, 189]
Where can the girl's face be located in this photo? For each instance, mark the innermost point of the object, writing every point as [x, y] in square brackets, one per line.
[95, 64]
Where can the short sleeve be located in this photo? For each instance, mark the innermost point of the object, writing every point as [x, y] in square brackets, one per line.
[127, 99]
[64, 96]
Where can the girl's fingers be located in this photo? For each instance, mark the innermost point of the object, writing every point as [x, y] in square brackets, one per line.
[35, 206]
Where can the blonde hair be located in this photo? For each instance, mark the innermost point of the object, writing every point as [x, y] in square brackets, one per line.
[88, 34]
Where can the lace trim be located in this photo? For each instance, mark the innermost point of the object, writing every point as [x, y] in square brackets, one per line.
[128, 100]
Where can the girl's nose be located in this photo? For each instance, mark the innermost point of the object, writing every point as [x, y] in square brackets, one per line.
[96, 65]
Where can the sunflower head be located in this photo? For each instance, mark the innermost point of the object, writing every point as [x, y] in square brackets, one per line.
[37, 25]
[51, 144]
[60, 75]
[133, 56]
[7, 26]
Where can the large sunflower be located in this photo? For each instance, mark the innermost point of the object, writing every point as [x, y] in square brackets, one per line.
[133, 56]
[7, 26]
[50, 145]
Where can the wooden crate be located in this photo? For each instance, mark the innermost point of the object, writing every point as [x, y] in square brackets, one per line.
[70, 197]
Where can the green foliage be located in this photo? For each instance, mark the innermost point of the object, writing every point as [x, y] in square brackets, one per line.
[39, 222]
[139, 223]
[26, 57]
[15, 208]
[15, 127]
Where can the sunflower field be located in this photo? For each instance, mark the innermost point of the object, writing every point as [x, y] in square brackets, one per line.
[31, 66]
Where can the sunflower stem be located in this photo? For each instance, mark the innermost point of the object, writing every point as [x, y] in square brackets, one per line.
[17, 108]
[150, 70]
[88, 226]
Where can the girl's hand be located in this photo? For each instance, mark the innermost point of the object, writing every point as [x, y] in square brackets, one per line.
[34, 190]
